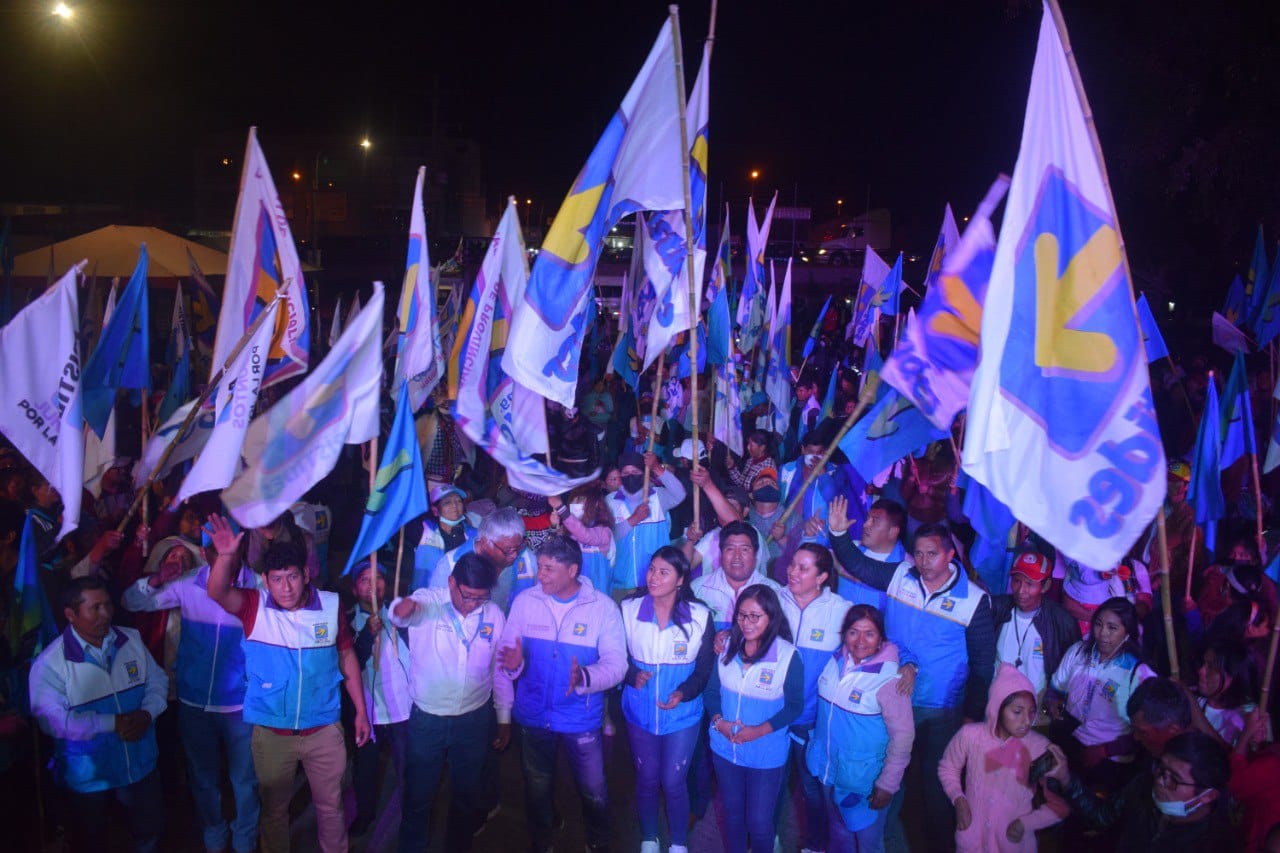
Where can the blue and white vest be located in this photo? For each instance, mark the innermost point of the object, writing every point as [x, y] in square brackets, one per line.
[635, 549]
[670, 654]
[816, 630]
[291, 662]
[752, 693]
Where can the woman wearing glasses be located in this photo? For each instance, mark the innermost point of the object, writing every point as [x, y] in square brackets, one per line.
[755, 692]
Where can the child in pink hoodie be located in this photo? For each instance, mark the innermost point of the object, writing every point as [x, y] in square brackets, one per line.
[994, 810]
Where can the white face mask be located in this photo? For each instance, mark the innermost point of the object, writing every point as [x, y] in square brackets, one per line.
[450, 522]
[1179, 808]
[811, 459]
[576, 510]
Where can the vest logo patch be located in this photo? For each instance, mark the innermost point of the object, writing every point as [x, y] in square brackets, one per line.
[321, 630]
[766, 677]
[816, 635]
[579, 629]
[948, 604]
[486, 631]
[855, 697]
[1109, 689]
[681, 650]
[1038, 649]
[131, 669]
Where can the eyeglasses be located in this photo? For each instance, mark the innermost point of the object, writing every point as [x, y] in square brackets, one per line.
[1167, 777]
[752, 618]
[474, 599]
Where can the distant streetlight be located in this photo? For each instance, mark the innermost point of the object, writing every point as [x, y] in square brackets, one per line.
[839, 207]
[366, 144]
[63, 11]
[755, 174]
[297, 176]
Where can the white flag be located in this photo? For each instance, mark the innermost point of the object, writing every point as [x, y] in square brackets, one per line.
[728, 406]
[262, 257]
[234, 400]
[1061, 426]
[419, 359]
[335, 328]
[777, 383]
[191, 442]
[297, 442]
[40, 390]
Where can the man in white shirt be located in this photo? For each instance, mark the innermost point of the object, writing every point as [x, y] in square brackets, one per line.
[453, 637]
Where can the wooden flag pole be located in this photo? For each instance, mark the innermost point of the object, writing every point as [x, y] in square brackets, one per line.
[395, 586]
[1166, 594]
[195, 410]
[1257, 507]
[1191, 559]
[145, 430]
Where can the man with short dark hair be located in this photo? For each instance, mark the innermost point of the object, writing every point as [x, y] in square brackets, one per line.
[298, 648]
[1159, 710]
[881, 540]
[97, 692]
[453, 635]
[738, 570]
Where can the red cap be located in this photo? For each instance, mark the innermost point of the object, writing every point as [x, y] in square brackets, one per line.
[1032, 565]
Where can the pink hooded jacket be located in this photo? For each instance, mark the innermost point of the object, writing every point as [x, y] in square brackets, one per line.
[998, 791]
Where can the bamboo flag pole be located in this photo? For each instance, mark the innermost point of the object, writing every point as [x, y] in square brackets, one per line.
[395, 586]
[1166, 594]
[1257, 506]
[1191, 557]
[195, 410]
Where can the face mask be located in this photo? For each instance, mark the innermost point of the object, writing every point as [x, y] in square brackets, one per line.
[576, 510]
[811, 459]
[766, 495]
[633, 482]
[447, 523]
[1179, 808]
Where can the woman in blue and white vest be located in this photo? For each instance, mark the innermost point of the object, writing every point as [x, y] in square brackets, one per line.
[861, 744]
[640, 526]
[756, 691]
[670, 655]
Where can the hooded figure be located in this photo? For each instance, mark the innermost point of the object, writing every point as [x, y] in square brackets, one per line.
[997, 786]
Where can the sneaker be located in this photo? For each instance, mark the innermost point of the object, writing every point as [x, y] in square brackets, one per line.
[650, 847]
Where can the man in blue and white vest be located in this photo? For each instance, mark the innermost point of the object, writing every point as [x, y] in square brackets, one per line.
[210, 676]
[640, 526]
[563, 648]
[298, 648]
[97, 691]
[942, 623]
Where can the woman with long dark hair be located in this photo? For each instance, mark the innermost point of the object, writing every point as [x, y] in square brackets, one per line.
[670, 656]
[586, 517]
[755, 692]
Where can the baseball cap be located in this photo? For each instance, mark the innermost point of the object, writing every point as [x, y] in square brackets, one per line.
[439, 493]
[1032, 565]
[685, 450]
[1181, 470]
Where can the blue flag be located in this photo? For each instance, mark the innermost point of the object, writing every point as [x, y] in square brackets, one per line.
[816, 330]
[890, 431]
[399, 487]
[886, 299]
[719, 324]
[122, 358]
[829, 401]
[992, 521]
[1266, 325]
[1152, 340]
[1205, 492]
[1237, 416]
[1236, 306]
[1255, 283]
[31, 606]
[179, 387]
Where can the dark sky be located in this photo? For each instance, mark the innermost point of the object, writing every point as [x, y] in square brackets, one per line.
[917, 103]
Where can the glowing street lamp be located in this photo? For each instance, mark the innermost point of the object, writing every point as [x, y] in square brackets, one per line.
[839, 207]
[366, 144]
[63, 11]
[755, 174]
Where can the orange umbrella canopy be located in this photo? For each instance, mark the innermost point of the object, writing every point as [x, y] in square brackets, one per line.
[113, 251]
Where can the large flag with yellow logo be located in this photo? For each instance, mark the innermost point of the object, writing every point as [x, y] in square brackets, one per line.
[1061, 425]
[419, 358]
[262, 257]
[636, 165]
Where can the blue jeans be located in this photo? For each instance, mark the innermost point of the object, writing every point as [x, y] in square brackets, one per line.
[841, 839]
[585, 751]
[814, 833]
[934, 729]
[142, 804]
[430, 740]
[748, 801]
[203, 732]
[663, 761]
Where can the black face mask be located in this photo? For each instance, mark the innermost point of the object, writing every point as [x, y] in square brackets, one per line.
[633, 482]
[766, 495]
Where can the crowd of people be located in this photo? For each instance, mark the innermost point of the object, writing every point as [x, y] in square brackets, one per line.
[845, 660]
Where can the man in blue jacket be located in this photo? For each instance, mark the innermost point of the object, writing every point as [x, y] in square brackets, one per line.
[942, 625]
[564, 648]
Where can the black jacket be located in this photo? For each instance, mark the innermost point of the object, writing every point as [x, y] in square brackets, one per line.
[1057, 628]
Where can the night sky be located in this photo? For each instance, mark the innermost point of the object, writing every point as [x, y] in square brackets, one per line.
[915, 103]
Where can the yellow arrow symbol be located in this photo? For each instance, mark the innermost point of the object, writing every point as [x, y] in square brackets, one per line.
[1060, 300]
[566, 239]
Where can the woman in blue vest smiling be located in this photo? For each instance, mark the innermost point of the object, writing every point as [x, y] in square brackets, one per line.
[755, 692]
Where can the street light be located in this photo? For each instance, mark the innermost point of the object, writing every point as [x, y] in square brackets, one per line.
[366, 144]
[755, 173]
[63, 11]
[839, 207]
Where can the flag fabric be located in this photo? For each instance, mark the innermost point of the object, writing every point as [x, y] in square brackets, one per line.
[625, 361]
[829, 400]
[1152, 341]
[1257, 277]
[233, 404]
[812, 340]
[1205, 492]
[190, 442]
[40, 391]
[636, 165]
[752, 308]
[777, 382]
[354, 309]
[1266, 325]
[1237, 416]
[399, 487]
[886, 299]
[1061, 422]
[991, 521]
[726, 412]
[122, 358]
[205, 308]
[297, 442]
[262, 258]
[1236, 307]
[891, 430]
[1273, 447]
[493, 409]
[719, 324]
[335, 327]
[449, 317]
[419, 358]
[874, 273]
[948, 241]
[100, 451]
[31, 611]
[178, 354]
[933, 362]
[1226, 335]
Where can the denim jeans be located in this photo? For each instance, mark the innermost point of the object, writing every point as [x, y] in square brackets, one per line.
[462, 741]
[204, 735]
[841, 839]
[748, 801]
[142, 804]
[663, 761]
[585, 751]
[368, 764]
[934, 729]
[814, 831]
